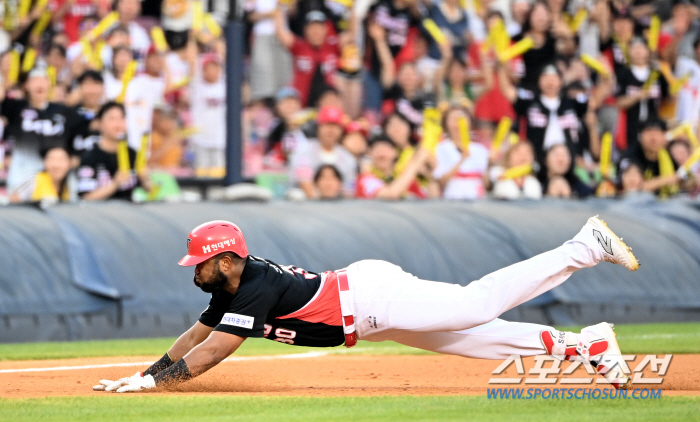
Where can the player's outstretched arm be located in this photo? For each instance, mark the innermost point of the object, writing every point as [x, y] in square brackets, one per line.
[206, 355]
[186, 342]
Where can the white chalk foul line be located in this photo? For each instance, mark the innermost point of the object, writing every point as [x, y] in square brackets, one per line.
[115, 365]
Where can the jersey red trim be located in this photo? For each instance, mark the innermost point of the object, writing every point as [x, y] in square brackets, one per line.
[324, 308]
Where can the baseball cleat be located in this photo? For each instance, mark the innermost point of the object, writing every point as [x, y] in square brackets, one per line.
[598, 345]
[614, 250]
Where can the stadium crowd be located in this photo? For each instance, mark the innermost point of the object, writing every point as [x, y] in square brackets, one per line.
[381, 99]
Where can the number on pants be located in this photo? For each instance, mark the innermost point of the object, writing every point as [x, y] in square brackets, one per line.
[285, 336]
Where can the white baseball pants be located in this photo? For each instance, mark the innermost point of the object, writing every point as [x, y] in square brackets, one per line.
[391, 304]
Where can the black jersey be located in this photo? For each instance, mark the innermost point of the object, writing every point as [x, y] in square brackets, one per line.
[281, 303]
[98, 167]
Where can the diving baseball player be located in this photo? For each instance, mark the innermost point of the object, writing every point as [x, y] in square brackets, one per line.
[376, 301]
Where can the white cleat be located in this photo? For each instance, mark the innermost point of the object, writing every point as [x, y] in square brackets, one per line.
[598, 345]
[614, 250]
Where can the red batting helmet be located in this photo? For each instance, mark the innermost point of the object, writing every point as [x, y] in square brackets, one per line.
[213, 238]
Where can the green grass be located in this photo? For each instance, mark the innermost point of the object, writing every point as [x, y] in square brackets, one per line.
[633, 338]
[307, 409]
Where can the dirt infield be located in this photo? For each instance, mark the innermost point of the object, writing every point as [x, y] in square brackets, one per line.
[330, 375]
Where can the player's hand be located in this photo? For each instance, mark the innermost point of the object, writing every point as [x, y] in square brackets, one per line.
[105, 384]
[137, 383]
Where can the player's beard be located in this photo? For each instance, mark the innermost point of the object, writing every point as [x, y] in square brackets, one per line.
[218, 282]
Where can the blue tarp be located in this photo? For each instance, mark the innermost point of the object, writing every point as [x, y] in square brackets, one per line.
[74, 262]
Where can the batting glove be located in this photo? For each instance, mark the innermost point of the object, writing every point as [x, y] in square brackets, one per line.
[102, 386]
[137, 383]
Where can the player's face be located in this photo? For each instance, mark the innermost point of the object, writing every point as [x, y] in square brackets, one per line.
[208, 276]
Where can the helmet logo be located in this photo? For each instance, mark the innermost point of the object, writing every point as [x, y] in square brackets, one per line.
[189, 239]
[218, 245]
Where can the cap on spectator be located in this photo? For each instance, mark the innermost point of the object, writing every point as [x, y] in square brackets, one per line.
[210, 58]
[331, 115]
[287, 92]
[92, 75]
[315, 16]
[653, 124]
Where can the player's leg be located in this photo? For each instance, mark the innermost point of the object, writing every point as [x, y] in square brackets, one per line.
[396, 300]
[499, 339]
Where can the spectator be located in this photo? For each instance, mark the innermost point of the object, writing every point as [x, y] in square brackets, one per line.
[540, 27]
[89, 96]
[328, 182]
[452, 20]
[36, 124]
[121, 57]
[271, 63]
[652, 139]
[166, 140]
[286, 134]
[56, 58]
[355, 139]
[400, 19]
[129, 11]
[54, 183]
[99, 176]
[452, 80]
[636, 101]
[403, 88]
[460, 172]
[208, 107]
[551, 117]
[315, 59]
[399, 130]
[69, 14]
[326, 149]
[558, 187]
[519, 187]
[492, 105]
[631, 178]
[143, 93]
[378, 180]
[688, 100]
[559, 169]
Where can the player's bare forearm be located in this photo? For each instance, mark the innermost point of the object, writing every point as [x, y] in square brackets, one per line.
[189, 340]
